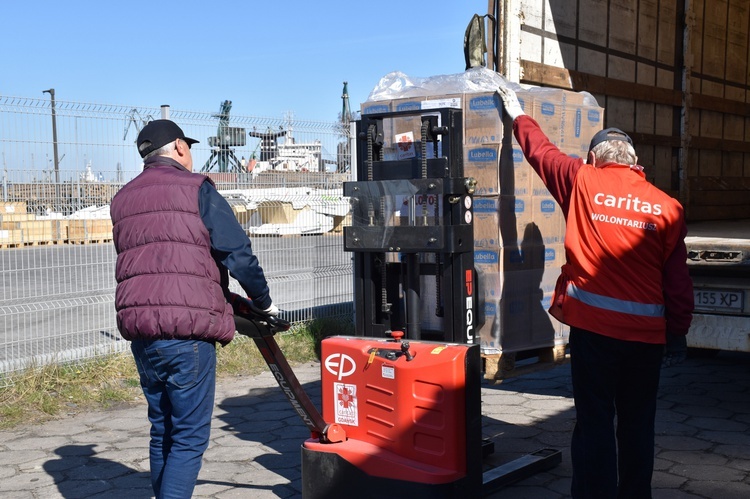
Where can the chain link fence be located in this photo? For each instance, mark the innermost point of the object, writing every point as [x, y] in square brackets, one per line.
[63, 161]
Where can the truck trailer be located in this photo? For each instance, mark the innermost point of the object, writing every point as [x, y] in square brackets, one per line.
[674, 75]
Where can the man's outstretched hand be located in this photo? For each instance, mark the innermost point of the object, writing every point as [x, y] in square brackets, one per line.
[510, 102]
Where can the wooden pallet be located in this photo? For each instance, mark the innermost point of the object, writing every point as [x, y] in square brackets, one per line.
[508, 365]
[90, 241]
[41, 242]
[55, 242]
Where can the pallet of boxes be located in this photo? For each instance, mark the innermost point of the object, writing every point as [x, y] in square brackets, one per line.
[89, 230]
[19, 228]
[518, 227]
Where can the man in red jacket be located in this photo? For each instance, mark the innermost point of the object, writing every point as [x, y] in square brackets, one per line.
[623, 289]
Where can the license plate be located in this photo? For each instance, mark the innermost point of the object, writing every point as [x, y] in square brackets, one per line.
[718, 300]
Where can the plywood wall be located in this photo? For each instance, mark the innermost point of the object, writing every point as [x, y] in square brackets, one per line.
[672, 73]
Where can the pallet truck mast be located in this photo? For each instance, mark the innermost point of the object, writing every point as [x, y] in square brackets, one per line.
[401, 399]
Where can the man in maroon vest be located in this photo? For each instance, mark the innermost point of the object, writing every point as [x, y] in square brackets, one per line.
[177, 241]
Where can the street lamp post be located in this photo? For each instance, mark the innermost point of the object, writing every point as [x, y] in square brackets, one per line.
[51, 93]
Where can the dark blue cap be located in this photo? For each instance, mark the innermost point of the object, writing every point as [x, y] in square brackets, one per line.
[609, 134]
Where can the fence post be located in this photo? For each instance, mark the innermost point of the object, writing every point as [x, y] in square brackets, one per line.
[51, 93]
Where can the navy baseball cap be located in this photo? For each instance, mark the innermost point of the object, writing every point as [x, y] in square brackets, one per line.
[609, 134]
[157, 134]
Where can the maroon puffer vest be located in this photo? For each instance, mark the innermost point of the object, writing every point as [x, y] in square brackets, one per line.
[168, 284]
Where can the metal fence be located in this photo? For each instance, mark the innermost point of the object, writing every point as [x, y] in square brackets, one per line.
[62, 163]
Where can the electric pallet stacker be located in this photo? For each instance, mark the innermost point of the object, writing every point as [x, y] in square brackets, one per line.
[401, 399]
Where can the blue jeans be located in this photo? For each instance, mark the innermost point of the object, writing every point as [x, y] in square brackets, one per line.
[178, 378]
[613, 378]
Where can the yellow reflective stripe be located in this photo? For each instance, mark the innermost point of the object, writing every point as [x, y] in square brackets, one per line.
[615, 305]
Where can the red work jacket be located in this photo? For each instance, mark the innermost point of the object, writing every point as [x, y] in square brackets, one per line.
[626, 272]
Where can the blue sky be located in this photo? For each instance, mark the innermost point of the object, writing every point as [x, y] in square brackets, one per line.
[268, 57]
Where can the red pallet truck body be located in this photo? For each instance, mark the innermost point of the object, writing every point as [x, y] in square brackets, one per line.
[403, 407]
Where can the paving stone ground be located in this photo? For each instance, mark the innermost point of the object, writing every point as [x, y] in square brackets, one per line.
[702, 442]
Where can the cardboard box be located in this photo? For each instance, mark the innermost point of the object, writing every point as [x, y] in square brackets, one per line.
[486, 222]
[375, 107]
[88, 230]
[36, 231]
[500, 169]
[11, 236]
[497, 260]
[10, 207]
[483, 119]
[540, 256]
[516, 174]
[515, 216]
[16, 217]
[482, 162]
[547, 215]
[538, 189]
[578, 125]
[548, 113]
[564, 118]
[515, 311]
[405, 133]
[427, 102]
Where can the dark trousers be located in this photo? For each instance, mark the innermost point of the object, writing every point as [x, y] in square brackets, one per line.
[613, 378]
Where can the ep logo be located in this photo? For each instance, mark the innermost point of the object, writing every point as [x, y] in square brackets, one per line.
[340, 365]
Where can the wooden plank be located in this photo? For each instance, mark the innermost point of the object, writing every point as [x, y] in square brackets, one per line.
[670, 35]
[648, 29]
[545, 75]
[733, 212]
[641, 139]
[737, 42]
[622, 32]
[726, 106]
[714, 183]
[718, 198]
[718, 144]
[714, 38]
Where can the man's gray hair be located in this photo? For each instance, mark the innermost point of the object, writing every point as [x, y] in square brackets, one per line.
[615, 151]
[164, 150]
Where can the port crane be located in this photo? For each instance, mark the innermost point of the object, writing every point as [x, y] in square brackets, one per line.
[138, 124]
[223, 144]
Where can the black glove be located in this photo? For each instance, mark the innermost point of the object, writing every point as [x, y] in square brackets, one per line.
[675, 351]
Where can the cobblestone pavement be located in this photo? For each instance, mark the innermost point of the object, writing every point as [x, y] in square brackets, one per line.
[702, 443]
